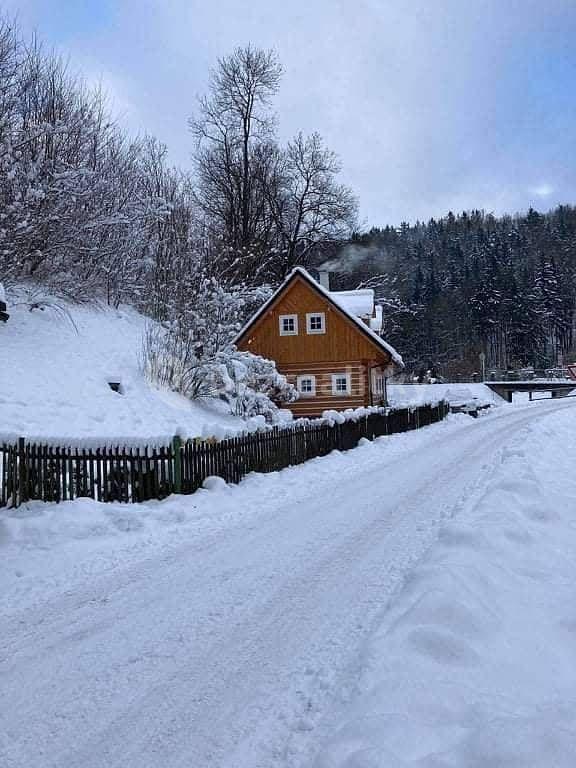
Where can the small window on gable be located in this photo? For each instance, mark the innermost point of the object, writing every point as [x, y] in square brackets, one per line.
[288, 325]
[306, 385]
[315, 322]
[341, 384]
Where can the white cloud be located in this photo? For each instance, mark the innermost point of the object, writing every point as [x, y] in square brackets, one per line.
[542, 190]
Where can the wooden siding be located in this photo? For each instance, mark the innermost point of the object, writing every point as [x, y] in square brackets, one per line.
[324, 399]
[342, 341]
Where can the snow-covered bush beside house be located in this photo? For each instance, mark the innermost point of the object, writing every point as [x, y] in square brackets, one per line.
[251, 385]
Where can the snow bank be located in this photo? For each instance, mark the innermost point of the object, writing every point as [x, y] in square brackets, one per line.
[457, 394]
[473, 665]
[54, 376]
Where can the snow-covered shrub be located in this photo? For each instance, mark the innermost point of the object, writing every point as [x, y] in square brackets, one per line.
[180, 352]
[172, 360]
[249, 384]
[190, 350]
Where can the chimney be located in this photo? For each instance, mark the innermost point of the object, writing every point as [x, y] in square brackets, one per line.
[324, 278]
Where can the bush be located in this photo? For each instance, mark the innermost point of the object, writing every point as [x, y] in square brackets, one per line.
[249, 384]
[252, 386]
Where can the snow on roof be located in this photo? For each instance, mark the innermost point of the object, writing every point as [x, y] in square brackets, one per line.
[359, 303]
[378, 340]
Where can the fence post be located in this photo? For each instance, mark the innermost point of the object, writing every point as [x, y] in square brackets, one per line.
[20, 492]
[177, 452]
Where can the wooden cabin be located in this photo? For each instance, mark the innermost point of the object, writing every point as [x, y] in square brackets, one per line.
[326, 343]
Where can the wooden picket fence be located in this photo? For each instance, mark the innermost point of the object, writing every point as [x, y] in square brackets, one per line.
[33, 471]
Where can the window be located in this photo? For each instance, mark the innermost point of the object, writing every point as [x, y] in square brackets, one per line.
[340, 383]
[306, 385]
[288, 325]
[315, 322]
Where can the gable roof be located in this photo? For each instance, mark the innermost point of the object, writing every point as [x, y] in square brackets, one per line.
[334, 302]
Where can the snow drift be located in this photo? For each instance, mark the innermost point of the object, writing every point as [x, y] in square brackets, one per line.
[473, 665]
[55, 374]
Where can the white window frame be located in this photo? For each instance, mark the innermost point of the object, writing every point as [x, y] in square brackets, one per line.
[282, 330]
[335, 390]
[306, 377]
[378, 383]
[314, 331]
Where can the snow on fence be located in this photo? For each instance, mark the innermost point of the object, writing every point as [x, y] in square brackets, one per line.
[33, 471]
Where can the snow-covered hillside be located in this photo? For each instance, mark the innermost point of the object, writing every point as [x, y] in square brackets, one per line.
[54, 376]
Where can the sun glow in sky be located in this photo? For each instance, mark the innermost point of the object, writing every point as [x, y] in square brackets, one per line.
[431, 105]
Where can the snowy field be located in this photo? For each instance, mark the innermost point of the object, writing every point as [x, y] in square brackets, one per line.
[409, 603]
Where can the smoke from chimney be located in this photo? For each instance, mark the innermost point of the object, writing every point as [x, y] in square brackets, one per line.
[351, 257]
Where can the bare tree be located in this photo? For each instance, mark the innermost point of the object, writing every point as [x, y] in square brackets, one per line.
[267, 205]
[308, 203]
[234, 129]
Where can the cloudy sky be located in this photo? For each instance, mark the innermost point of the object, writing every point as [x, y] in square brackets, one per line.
[432, 105]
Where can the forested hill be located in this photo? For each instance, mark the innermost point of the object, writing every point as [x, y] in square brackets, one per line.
[464, 284]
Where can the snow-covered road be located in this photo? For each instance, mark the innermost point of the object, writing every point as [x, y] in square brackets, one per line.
[229, 644]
